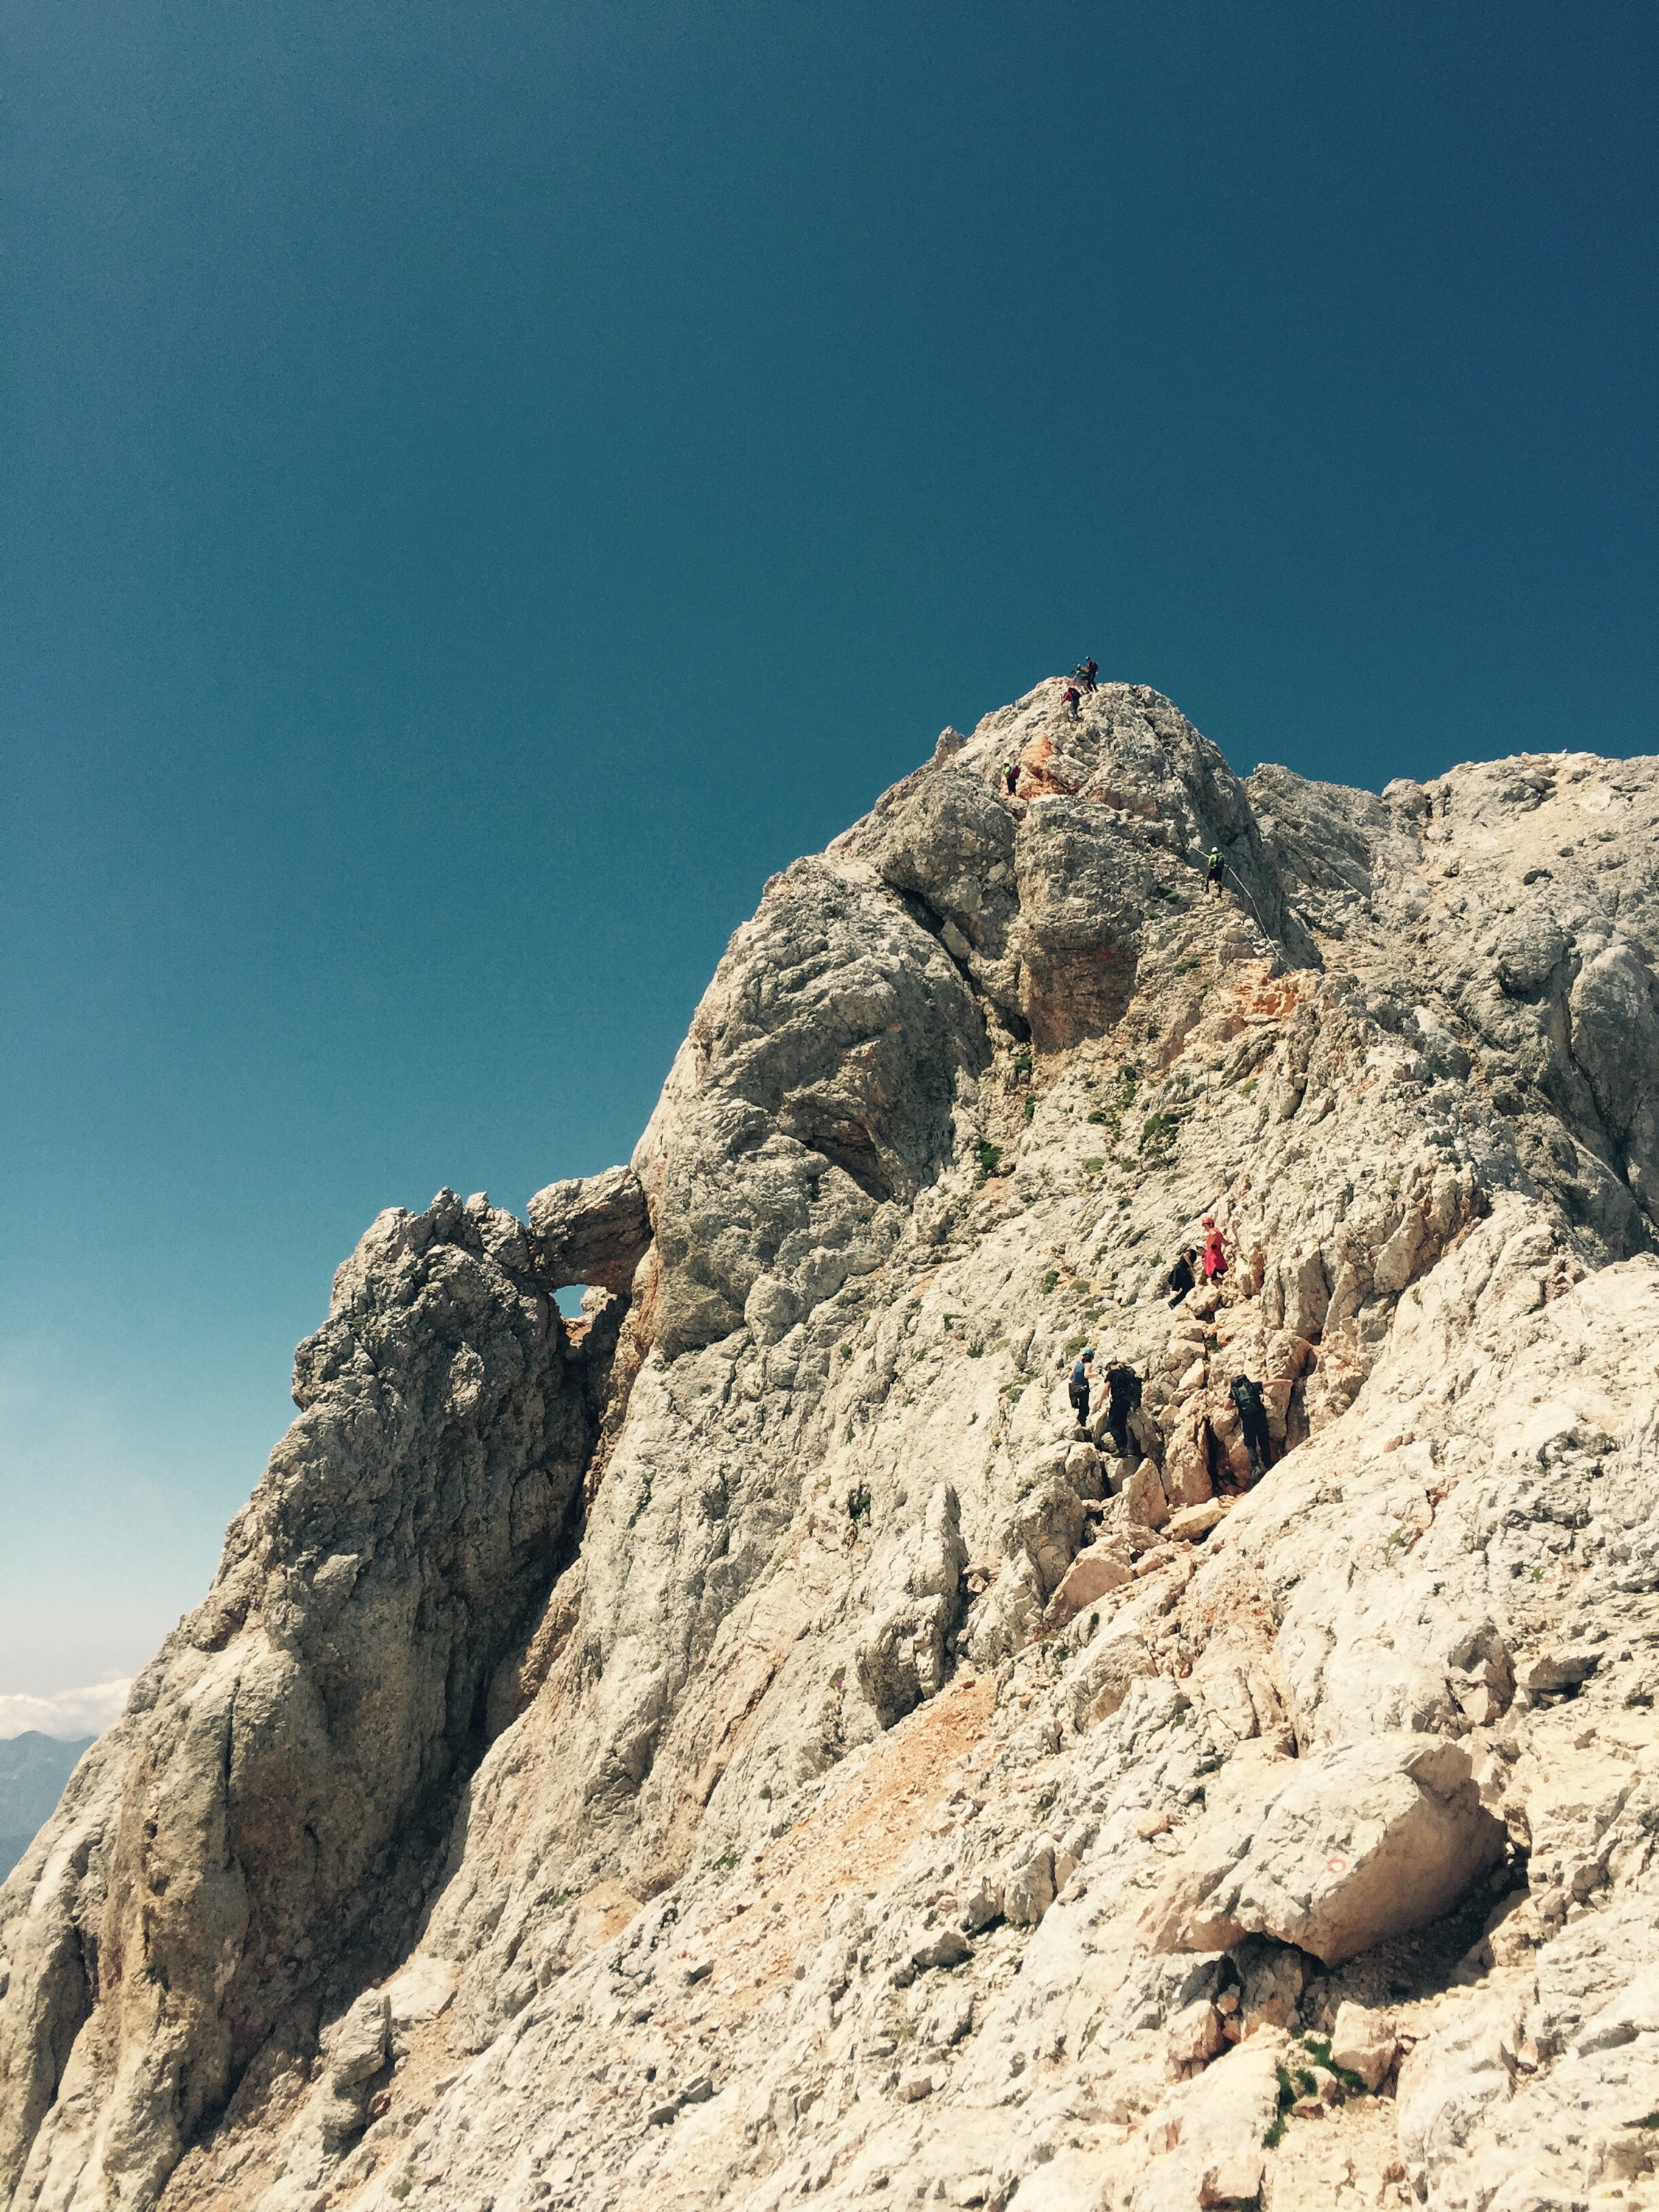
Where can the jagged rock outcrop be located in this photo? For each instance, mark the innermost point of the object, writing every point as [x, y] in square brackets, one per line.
[260, 1829]
[747, 1744]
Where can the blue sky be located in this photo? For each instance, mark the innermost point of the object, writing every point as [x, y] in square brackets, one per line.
[485, 485]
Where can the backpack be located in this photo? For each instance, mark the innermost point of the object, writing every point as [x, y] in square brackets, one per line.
[1125, 1386]
[1245, 1394]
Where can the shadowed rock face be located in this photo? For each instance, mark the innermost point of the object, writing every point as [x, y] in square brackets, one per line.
[750, 1745]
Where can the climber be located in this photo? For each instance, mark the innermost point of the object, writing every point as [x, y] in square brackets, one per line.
[1068, 699]
[1087, 673]
[1180, 1277]
[1122, 1397]
[1010, 776]
[1253, 1422]
[1214, 870]
[1082, 1378]
[1215, 1251]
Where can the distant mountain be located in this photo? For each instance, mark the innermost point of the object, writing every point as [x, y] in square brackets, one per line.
[34, 1769]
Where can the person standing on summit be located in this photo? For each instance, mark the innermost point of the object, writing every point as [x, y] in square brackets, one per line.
[1087, 673]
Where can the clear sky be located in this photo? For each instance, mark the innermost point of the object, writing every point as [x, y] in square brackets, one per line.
[485, 484]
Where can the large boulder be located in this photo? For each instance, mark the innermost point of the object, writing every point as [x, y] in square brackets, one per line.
[1143, 1502]
[1206, 2137]
[593, 1229]
[1047, 1527]
[1333, 1853]
[1096, 1569]
[903, 1660]
[948, 841]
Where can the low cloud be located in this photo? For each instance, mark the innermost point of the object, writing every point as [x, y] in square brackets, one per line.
[67, 1713]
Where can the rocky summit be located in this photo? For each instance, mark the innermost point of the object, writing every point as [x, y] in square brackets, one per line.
[754, 1745]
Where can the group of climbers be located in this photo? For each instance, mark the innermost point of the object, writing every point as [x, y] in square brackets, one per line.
[1211, 1260]
[1086, 675]
[1206, 1261]
[1123, 1385]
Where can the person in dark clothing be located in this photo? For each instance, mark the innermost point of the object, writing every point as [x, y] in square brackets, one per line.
[1181, 1277]
[1068, 700]
[1253, 1422]
[1122, 1396]
[1010, 776]
[1087, 673]
[1082, 1379]
[1215, 868]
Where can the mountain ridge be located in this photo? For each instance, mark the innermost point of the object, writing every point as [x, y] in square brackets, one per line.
[751, 1743]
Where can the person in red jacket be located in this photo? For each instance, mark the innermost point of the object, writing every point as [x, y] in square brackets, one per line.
[1068, 699]
[1215, 1251]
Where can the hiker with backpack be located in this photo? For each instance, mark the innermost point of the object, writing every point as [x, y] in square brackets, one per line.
[1122, 1398]
[1079, 1387]
[1010, 776]
[1087, 673]
[1180, 1277]
[1068, 700]
[1215, 868]
[1253, 1423]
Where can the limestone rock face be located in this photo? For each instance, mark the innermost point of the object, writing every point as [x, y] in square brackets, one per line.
[745, 1747]
[813, 1101]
